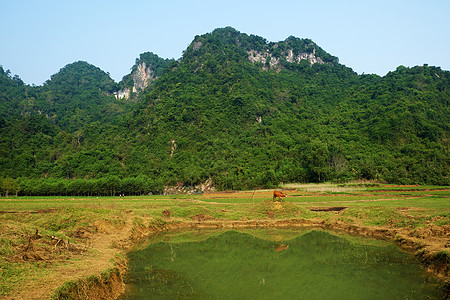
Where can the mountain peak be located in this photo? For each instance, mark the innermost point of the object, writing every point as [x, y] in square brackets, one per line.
[222, 45]
[82, 74]
[270, 55]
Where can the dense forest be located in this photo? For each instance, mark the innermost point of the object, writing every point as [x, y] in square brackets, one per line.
[234, 109]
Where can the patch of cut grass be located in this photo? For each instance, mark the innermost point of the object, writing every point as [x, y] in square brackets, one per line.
[6, 246]
[278, 210]
[13, 275]
[381, 216]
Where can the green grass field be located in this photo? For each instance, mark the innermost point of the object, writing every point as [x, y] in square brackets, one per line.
[65, 217]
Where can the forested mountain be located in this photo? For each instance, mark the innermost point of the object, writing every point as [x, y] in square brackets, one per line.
[236, 109]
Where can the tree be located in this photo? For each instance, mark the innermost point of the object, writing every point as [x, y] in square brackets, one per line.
[317, 159]
[9, 186]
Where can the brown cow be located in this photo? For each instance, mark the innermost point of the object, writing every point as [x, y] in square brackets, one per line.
[279, 195]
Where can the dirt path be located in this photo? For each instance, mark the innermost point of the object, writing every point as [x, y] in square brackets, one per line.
[354, 201]
[287, 200]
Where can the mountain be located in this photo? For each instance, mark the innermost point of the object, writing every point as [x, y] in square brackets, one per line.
[80, 76]
[229, 43]
[234, 109]
[246, 123]
[12, 93]
[77, 95]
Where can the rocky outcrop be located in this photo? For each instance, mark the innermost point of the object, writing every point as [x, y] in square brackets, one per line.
[313, 59]
[142, 76]
[181, 188]
[269, 61]
[124, 93]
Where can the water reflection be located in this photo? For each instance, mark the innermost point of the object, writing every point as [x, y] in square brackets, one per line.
[274, 264]
[281, 247]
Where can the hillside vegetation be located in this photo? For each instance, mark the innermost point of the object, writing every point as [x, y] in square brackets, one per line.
[236, 109]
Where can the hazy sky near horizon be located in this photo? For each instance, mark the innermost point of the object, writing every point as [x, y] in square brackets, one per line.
[38, 38]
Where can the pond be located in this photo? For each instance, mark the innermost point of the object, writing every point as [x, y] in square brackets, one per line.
[274, 264]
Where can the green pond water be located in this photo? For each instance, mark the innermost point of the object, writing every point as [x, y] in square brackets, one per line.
[274, 264]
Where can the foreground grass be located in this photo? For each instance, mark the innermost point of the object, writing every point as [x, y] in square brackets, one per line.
[63, 224]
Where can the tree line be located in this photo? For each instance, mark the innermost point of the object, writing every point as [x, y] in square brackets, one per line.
[105, 186]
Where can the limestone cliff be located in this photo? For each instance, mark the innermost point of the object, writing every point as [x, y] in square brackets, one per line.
[147, 68]
[142, 77]
[270, 61]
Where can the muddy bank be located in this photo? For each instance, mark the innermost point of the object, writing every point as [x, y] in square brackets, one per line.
[108, 285]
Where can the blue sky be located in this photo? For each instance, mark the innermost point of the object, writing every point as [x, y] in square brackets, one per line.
[38, 38]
